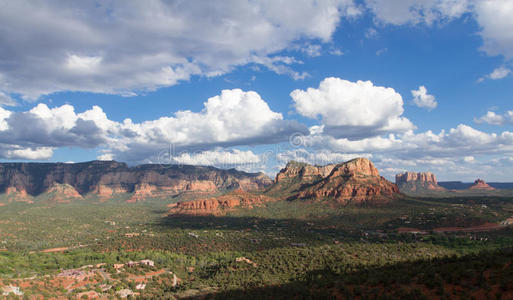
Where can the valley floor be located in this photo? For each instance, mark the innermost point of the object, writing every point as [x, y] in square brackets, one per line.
[278, 250]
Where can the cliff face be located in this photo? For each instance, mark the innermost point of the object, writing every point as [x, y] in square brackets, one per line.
[480, 184]
[354, 182]
[417, 182]
[220, 204]
[107, 178]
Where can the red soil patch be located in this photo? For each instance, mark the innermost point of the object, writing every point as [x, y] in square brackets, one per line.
[484, 227]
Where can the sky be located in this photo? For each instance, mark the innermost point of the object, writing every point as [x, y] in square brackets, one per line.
[413, 85]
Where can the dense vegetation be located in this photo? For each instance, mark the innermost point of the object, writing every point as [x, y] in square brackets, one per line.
[293, 248]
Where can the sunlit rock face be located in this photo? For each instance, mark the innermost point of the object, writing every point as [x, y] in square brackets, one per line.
[354, 182]
[417, 182]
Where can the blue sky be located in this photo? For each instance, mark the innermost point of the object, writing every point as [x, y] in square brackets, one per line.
[252, 85]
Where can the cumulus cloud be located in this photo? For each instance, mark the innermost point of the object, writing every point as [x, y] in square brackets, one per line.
[458, 153]
[495, 20]
[35, 133]
[461, 140]
[353, 110]
[495, 119]
[422, 99]
[234, 117]
[122, 47]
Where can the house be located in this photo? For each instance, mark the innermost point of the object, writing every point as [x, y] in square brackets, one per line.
[11, 289]
[125, 293]
[140, 286]
[193, 234]
[132, 264]
[147, 262]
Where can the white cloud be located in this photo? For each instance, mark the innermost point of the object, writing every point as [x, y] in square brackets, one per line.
[38, 153]
[352, 109]
[83, 64]
[312, 50]
[218, 158]
[499, 73]
[54, 127]
[371, 33]
[468, 159]
[234, 117]
[494, 17]
[400, 12]
[460, 153]
[381, 51]
[494, 119]
[122, 47]
[462, 140]
[336, 52]
[422, 99]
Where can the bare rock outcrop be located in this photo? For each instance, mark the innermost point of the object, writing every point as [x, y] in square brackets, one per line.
[62, 193]
[480, 184]
[219, 205]
[354, 182]
[411, 182]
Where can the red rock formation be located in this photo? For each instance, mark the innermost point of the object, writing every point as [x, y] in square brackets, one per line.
[62, 193]
[480, 184]
[356, 181]
[17, 195]
[144, 191]
[108, 178]
[417, 182]
[303, 171]
[141, 192]
[105, 192]
[219, 205]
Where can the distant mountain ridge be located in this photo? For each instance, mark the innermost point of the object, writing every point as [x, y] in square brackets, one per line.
[459, 185]
[108, 178]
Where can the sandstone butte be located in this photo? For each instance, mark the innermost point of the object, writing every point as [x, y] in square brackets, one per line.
[353, 182]
[480, 184]
[411, 181]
